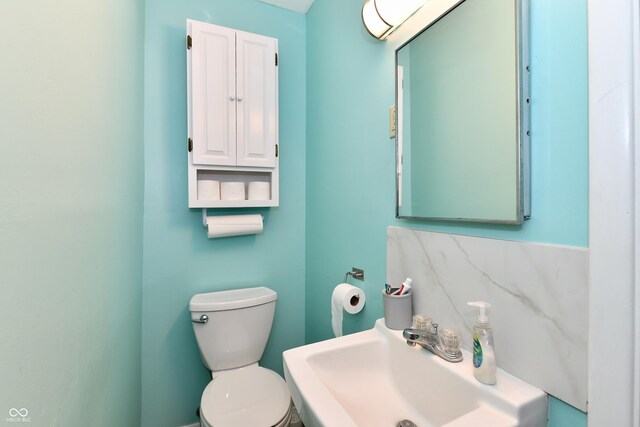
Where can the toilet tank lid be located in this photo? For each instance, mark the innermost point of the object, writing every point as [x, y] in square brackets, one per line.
[231, 300]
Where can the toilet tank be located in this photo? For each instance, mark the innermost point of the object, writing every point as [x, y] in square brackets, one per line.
[238, 326]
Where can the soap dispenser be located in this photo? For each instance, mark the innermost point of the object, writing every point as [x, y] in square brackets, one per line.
[484, 356]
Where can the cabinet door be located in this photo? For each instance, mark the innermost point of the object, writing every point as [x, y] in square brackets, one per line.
[257, 88]
[213, 94]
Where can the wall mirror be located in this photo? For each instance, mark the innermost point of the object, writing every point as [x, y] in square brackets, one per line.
[462, 97]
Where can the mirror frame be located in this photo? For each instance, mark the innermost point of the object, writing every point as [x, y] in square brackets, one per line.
[523, 121]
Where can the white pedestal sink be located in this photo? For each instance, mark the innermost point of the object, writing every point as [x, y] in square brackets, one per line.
[374, 378]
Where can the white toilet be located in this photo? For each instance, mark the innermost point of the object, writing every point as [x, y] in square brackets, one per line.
[232, 328]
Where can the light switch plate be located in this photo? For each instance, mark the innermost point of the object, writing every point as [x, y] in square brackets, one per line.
[392, 121]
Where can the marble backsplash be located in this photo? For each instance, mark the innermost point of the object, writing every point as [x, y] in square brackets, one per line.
[538, 292]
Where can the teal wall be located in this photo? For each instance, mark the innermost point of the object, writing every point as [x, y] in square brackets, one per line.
[179, 260]
[350, 159]
[71, 188]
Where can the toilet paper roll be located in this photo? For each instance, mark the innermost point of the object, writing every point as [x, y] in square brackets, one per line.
[233, 225]
[347, 298]
[259, 190]
[232, 190]
[208, 189]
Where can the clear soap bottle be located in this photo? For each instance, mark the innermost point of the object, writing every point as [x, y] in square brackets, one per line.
[484, 356]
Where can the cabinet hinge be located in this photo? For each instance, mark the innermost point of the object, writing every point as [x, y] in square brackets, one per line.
[189, 42]
[276, 150]
[276, 59]
[190, 144]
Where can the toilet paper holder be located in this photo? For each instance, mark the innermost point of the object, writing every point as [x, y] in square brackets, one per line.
[356, 273]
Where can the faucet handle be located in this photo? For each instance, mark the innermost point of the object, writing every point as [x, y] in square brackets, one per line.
[451, 340]
[421, 322]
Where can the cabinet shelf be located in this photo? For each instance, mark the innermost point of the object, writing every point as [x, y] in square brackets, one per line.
[232, 174]
[233, 204]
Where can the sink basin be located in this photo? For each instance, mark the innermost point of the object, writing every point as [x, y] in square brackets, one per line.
[373, 378]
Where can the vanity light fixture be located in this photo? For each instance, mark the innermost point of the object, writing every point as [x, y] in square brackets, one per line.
[382, 17]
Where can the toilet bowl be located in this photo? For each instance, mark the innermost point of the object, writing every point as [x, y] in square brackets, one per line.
[232, 329]
[246, 397]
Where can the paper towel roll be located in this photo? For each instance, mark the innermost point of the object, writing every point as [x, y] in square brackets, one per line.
[233, 225]
[345, 298]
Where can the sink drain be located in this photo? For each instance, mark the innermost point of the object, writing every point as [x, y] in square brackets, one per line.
[406, 423]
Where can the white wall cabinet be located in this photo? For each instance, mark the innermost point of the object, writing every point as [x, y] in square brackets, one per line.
[232, 90]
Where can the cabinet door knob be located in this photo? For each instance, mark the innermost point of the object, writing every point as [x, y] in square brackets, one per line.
[231, 98]
[239, 99]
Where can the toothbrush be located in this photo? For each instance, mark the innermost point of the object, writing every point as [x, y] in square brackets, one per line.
[389, 290]
[405, 288]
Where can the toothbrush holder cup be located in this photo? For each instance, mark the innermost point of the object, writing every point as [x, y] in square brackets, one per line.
[398, 310]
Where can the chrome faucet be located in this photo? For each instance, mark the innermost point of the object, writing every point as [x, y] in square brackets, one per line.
[447, 349]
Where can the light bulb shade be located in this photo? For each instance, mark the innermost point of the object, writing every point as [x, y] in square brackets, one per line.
[381, 17]
[395, 12]
[376, 26]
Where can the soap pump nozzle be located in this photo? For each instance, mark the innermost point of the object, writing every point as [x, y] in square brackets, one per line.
[482, 306]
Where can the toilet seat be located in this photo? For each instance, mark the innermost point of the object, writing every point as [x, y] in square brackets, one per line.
[246, 397]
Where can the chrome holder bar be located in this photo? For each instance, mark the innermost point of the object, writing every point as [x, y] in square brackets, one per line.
[356, 273]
